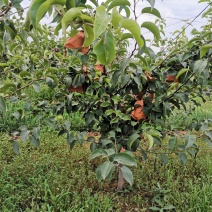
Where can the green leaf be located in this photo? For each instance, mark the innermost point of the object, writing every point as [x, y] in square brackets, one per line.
[57, 29]
[112, 134]
[110, 151]
[89, 117]
[93, 146]
[95, 2]
[34, 9]
[115, 3]
[172, 143]
[182, 71]
[182, 157]
[61, 2]
[81, 137]
[78, 80]
[164, 158]
[101, 21]
[68, 17]
[91, 139]
[34, 141]
[11, 32]
[99, 173]
[24, 74]
[24, 134]
[127, 174]
[144, 155]
[125, 159]
[124, 63]
[152, 11]
[36, 87]
[203, 1]
[115, 120]
[4, 65]
[69, 138]
[127, 11]
[207, 141]
[125, 117]
[200, 65]
[183, 96]
[86, 18]
[132, 139]
[150, 139]
[168, 207]
[72, 144]
[204, 49]
[209, 134]
[106, 169]
[97, 153]
[51, 82]
[190, 140]
[154, 133]
[134, 28]
[42, 11]
[152, 28]
[70, 4]
[152, 3]
[50, 123]
[89, 35]
[16, 148]
[109, 112]
[3, 106]
[207, 12]
[34, 38]
[105, 142]
[36, 132]
[105, 49]
[68, 81]
[6, 37]
[126, 36]
[154, 208]
[116, 99]
[116, 18]
[105, 104]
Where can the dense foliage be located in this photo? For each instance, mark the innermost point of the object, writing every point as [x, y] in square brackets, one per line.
[127, 95]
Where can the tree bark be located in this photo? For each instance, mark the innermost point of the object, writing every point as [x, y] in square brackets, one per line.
[120, 179]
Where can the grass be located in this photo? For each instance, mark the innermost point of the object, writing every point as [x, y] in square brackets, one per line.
[182, 121]
[53, 178]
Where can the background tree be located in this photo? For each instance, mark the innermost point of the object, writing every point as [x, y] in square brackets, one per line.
[126, 94]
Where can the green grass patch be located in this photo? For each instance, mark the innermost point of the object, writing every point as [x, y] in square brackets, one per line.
[181, 120]
[53, 178]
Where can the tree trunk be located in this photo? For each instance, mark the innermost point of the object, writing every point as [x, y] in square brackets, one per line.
[120, 179]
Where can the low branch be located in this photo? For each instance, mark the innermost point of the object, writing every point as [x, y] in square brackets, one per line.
[171, 95]
[133, 51]
[25, 86]
[5, 10]
[58, 11]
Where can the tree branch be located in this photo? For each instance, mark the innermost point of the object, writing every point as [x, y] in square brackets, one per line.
[171, 95]
[5, 10]
[58, 11]
[25, 86]
[133, 51]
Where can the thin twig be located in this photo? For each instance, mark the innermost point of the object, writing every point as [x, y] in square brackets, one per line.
[5, 10]
[58, 11]
[133, 51]
[25, 86]
[171, 95]
[135, 18]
